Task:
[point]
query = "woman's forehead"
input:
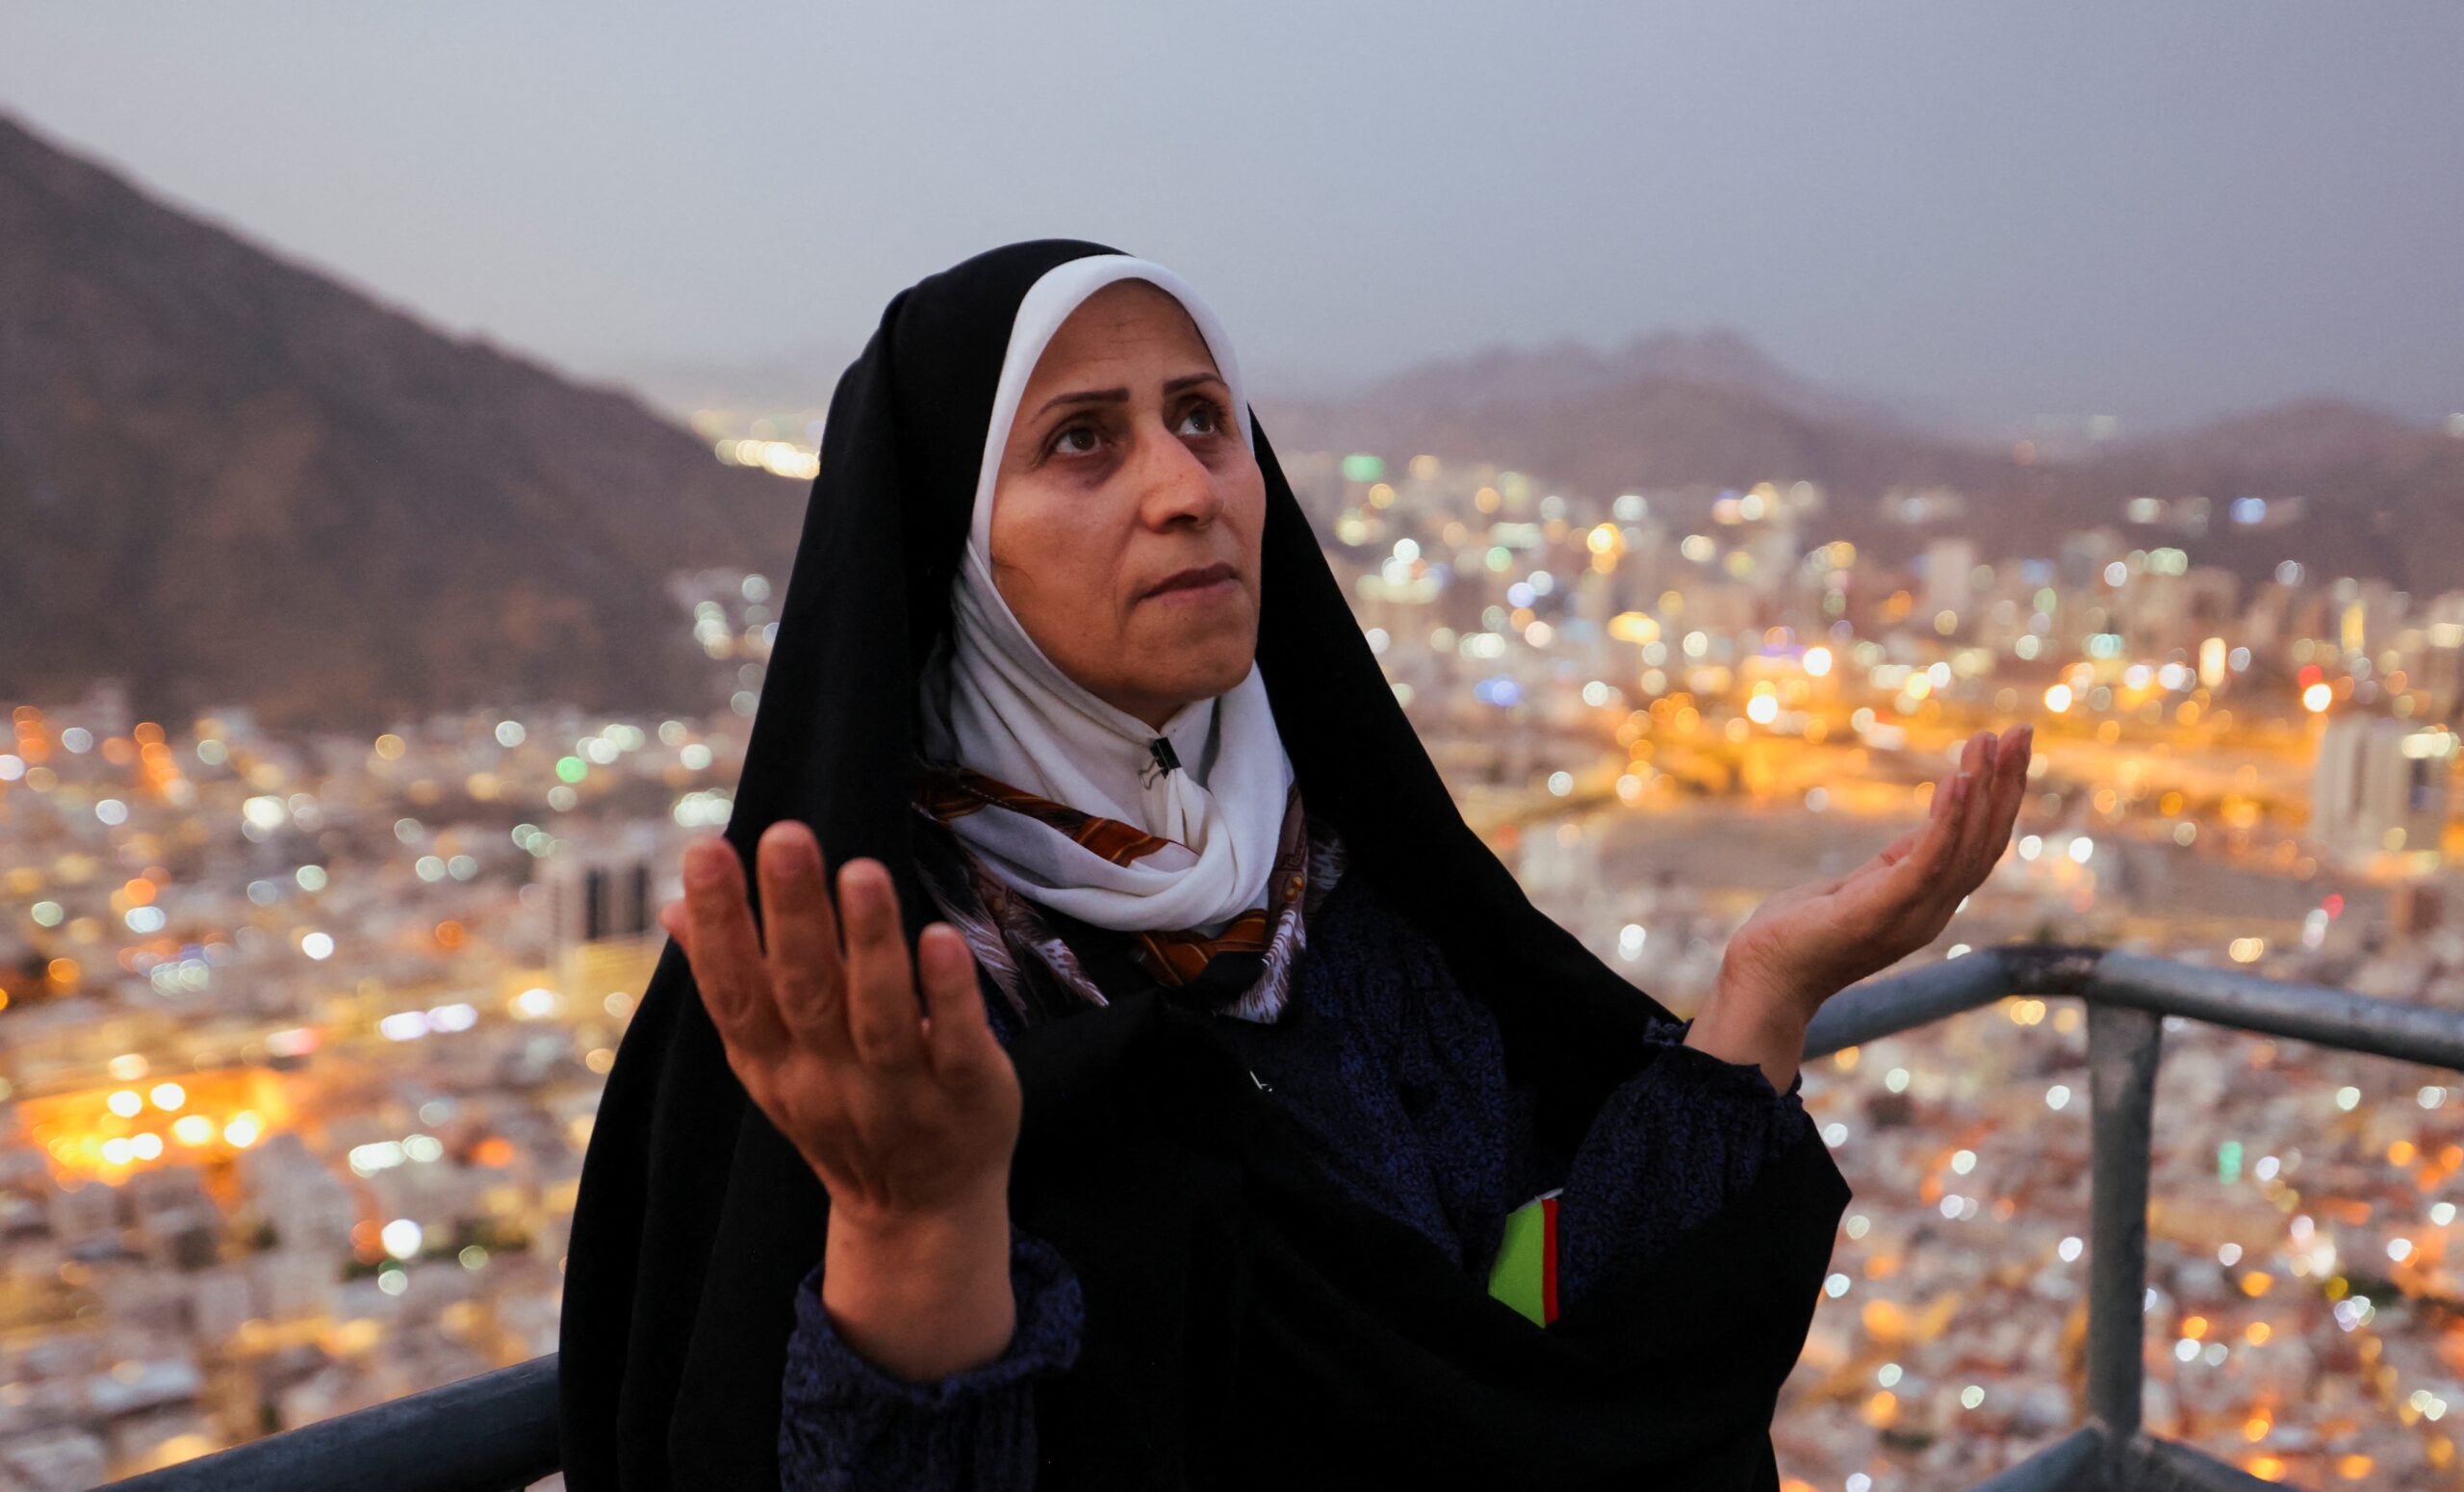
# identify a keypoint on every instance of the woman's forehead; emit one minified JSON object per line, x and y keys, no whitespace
{"x":1124,"y":319}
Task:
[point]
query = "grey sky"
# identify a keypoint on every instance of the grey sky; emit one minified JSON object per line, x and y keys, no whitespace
{"x":2157,"y":210}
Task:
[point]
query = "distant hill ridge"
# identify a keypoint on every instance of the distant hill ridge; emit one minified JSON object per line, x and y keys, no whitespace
{"x":2384,"y":499}
{"x":224,"y":478}
{"x":1715,"y":358}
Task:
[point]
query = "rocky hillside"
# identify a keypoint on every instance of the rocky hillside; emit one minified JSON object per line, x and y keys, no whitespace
{"x":226,"y":478}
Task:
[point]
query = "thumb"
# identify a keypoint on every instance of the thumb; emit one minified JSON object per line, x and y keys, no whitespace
{"x":672,"y":917}
{"x":964,"y":1046}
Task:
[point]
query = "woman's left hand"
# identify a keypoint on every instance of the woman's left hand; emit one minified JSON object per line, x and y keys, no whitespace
{"x":1808,"y":943}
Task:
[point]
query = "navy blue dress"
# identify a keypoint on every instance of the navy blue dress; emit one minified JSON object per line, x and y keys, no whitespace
{"x":1398,"y":1079}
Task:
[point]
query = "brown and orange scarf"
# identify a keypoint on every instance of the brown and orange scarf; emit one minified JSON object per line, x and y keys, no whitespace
{"x":1242,"y":968}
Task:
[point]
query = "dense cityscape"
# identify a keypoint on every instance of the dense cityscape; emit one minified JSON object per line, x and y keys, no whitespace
{"x":302,"y":1036}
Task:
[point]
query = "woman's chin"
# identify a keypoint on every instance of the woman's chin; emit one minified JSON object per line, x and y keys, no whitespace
{"x":1198,"y":667}
{"x":1226,"y":628}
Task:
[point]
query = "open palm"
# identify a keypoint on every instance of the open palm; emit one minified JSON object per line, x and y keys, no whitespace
{"x":904,"y":1107}
{"x":1807,"y":942}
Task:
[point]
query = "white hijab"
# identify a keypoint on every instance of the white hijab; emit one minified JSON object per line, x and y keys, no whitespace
{"x":998,"y":705}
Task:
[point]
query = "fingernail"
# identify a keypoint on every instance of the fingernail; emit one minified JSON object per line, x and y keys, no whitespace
{"x":794,"y":849}
{"x":859,"y":887}
{"x":941,"y":952}
{"x":703,"y":868}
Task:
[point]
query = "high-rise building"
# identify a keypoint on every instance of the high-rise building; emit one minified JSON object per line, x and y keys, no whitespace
{"x":2380,"y":787}
{"x":602,"y":906}
{"x":2164,"y":614}
{"x":2085,"y":554}
{"x":2440,"y":663}
{"x":1949,"y":567}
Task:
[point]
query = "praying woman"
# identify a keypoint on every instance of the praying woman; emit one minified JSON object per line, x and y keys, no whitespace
{"x":1096,"y":1053}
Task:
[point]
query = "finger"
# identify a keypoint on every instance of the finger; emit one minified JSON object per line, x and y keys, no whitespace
{"x":1859,"y":883}
{"x":1997,"y":807}
{"x":882,"y":1016}
{"x":1897,"y":850}
{"x":807,"y":975}
{"x":1973,"y":857}
{"x":1920,"y":873}
{"x":2011,"y":783}
{"x":679,"y":927}
{"x":1972,"y":761}
{"x":960,"y":1035}
{"x":726,"y":953}
{"x":1885,"y":860}
{"x":2007,"y":782}
{"x":1964,"y":762}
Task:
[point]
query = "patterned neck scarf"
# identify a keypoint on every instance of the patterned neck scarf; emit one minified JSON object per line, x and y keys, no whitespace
{"x":1243,"y":971}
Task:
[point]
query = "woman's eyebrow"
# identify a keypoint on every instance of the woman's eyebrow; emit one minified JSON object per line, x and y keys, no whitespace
{"x":1122,"y":396}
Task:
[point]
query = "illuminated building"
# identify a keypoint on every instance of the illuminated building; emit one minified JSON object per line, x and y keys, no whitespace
{"x":2379,"y":786}
{"x":603,"y":915}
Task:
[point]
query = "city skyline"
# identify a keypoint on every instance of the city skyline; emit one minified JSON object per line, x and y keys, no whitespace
{"x":304,"y":1030}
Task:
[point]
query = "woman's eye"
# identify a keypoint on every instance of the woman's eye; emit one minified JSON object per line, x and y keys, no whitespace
{"x":1205,"y":410}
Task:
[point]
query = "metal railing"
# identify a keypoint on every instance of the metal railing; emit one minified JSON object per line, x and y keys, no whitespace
{"x":497,"y":1433}
{"x":2128,"y":996}
{"x":492,"y":1433}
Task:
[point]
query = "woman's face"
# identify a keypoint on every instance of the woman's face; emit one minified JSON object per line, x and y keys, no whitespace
{"x":1127,"y":510}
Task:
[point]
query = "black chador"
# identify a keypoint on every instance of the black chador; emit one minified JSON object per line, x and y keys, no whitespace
{"x":1248,"y":1324}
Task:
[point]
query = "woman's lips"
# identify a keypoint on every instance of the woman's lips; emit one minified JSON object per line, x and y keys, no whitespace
{"x":1195,"y":585}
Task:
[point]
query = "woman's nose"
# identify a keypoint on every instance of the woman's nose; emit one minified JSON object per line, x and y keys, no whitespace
{"x":1177,"y":485}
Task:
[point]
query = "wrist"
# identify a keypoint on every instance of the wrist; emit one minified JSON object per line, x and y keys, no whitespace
{"x":1744,"y":1023}
{"x":927,"y":1233}
{"x":1752,"y":992}
{"x":921,"y":1295}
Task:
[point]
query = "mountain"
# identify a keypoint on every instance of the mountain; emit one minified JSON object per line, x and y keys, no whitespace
{"x":2379,"y":497}
{"x":224,"y":478}
{"x":2296,"y":442}
{"x":1664,"y":412}
{"x":1715,"y":358}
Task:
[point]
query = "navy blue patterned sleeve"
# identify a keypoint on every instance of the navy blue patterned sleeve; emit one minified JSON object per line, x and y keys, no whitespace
{"x":847,"y":1426}
{"x":1683,"y":1138}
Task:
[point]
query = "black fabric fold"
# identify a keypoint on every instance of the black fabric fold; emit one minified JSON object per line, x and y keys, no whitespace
{"x":1246,"y":1322}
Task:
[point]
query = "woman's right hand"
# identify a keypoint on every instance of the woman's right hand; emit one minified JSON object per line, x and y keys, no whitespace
{"x":906,"y":1111}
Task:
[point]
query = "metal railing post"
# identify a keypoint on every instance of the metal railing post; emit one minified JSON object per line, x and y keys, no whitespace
{"x":2166,"y":1466}
{"x":2124,"y":1049}
{"x":2074,"y":1463}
